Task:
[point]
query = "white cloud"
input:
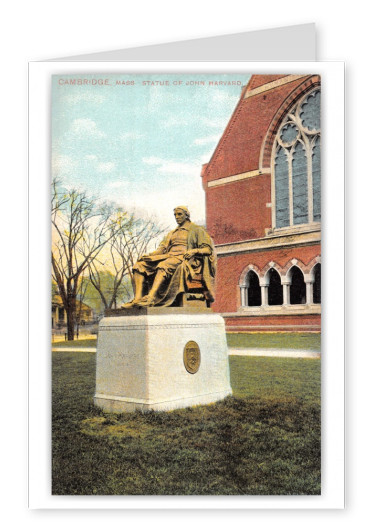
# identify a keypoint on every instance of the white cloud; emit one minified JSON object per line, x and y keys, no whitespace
{"x":179,"y":121}
{"x":131,"y":135}
{"x":173,"y":167}
{"x":206,"y":157}
{"x":105,"y":167}
{"x":213,"y":139}
{"x":90,"y":97}
{"x":222,"y":96}
{"x":62,"y":166}
{"x":115,"y":185}
{"x":98,"y":165}
{"x":85,"y":127}
{"x":218,"y":123}
{"x":152,"y":160}
{"x":157,"y":97}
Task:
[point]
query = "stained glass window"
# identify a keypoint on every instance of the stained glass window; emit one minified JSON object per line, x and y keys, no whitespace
{"x":297,"y":157}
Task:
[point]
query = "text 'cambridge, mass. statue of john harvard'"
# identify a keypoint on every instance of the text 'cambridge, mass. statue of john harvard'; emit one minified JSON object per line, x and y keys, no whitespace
{"x":180,"y":270}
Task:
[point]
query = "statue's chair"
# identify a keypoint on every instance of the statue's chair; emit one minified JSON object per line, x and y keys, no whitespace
{"x":195,"y":293}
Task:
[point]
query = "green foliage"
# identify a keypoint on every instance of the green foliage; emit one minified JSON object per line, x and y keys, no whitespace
{"x":265,"y":439}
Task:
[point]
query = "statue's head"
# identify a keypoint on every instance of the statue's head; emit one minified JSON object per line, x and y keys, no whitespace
{"x":181,"y":214}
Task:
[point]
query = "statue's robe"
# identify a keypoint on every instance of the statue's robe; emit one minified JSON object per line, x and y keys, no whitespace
{"x":180,"y":272}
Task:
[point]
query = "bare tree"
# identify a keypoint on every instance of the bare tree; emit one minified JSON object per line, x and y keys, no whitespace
{"x":83,"y":285}
{"x":117,"y":259}
{"x":81,"y":228}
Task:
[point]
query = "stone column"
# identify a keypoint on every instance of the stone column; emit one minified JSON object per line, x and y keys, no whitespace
{"x":309,"y":280}
{"x":264,"y":294}
{"x":309,"y":292}
{"x":286,"y":293}
{"x":243,"y":295}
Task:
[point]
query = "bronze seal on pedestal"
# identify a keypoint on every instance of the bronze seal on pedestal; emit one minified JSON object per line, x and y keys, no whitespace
{"x":192,"y":357}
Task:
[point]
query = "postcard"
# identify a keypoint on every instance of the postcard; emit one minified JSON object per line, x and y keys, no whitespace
{"x":186,"y":239}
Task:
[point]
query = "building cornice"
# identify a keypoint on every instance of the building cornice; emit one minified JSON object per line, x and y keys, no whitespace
{"x":272,"y":84}
{"x":238,"y":177}
{"x":301,"y":238}
{"x":312,"y":328}
{"x":261,"y":311}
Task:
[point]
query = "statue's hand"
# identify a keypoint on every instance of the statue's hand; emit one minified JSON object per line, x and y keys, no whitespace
{"x":189,"y":254}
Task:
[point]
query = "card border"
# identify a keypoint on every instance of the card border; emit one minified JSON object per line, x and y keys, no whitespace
{"x":333,"y":252}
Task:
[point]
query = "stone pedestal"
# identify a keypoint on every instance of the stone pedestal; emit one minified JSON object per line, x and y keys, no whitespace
{"x":161,"y":359}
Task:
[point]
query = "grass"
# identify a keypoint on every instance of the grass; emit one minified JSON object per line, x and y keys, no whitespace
{"x":78,"y":343}
{"x":300,"y":341}
{"x":275,"y":340}
{"x":265,"y":439}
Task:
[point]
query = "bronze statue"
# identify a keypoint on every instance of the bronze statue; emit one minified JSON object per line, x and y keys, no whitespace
{"x":183,"y":264}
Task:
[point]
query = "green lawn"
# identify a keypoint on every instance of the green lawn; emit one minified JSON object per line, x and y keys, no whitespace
{"x":265,"y":439}
{"x":288,"y":340}
{"x":80,"y":343}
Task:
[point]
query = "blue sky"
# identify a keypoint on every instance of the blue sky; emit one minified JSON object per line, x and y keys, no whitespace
{"x":141,"y":145}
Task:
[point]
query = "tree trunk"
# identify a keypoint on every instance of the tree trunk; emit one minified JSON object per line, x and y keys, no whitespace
{"x":71,"y":318}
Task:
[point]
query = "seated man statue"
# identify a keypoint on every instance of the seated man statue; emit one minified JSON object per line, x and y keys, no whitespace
{"x":184,"y":258}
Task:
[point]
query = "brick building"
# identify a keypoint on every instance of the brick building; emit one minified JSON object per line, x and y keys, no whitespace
{"x":262,"y":189}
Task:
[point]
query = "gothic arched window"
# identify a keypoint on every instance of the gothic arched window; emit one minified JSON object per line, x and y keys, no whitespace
{"x":254,"y":290}
{"x":297,"y":287}
{"x":317,"y":284}
{"x":275,"y":290}
{"x":296,"y":168}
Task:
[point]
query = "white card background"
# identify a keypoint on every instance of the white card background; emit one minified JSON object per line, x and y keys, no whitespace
{"x":277,"y":44}
{"x":40,"y":29}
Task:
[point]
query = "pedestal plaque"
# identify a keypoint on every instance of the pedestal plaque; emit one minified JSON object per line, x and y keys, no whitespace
{"x":161,"y":359}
